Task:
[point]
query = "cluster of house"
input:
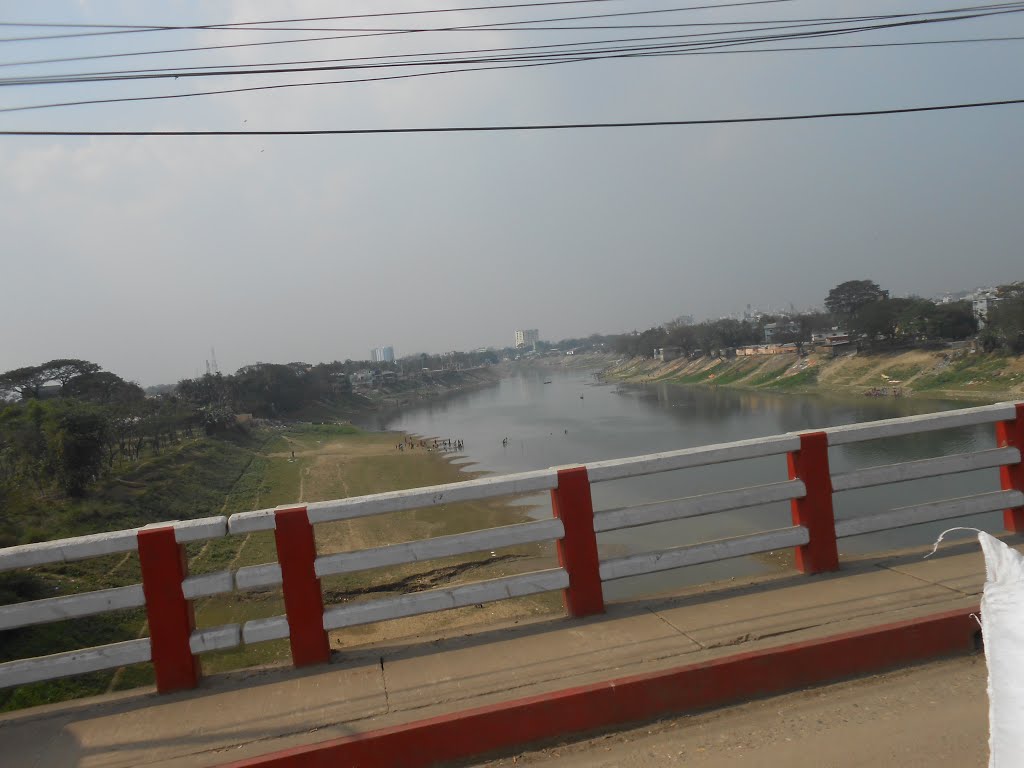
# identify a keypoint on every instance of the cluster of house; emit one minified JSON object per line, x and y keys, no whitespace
{"x":835,"y":341}
{"x":372,"y":378}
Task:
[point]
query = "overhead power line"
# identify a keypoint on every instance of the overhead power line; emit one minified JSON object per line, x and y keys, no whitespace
{"x":701,"y":40}
{"x":539,"y":127}
{"x":192,"y":49}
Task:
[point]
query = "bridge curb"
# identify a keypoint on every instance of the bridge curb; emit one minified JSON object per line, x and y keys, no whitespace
{"x":690,"y":688}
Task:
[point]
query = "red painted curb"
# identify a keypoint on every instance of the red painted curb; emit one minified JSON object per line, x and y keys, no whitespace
{"x":617,"y":702}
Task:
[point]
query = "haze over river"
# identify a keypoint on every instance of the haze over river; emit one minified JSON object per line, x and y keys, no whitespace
{"x":575,"y":419}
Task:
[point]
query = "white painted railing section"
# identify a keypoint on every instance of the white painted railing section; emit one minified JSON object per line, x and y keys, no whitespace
{"x":617,"y":469}
{"x":708,"y":552}
{"x":440,"y":546}
{"x":444,"y":599}
{"x":912,"y":425}
{"x":269,"y":574}
{"x":24,"y":671}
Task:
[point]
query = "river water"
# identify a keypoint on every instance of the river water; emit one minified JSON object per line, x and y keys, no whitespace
{"x":554,"y":418}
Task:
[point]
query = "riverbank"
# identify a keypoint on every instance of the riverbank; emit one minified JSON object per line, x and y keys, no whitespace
{"x":270,"y":467}
{"x":413,"y":390}
{"x":315,"y":464}
{"x":946,"y":374}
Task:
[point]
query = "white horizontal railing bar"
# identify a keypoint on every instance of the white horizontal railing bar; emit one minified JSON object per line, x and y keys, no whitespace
{"x":444,"y":599}
{"x":70,"y":606}
{"x":909,"y":425}
{"x":432,"y":496}
{"x":695,"y":506}
{"x":24,"y":671}
{"x":396,"y":501}
{"x":926,"y":513}
{"x":66,"y":550}
{"x":440,"y":546}
{"x":261,"y":630}
{"x":208,"y":584}
{"x":917,"y":470}
{"x":711,"y":551}
{"x":258,"y":576}
{"x":252,"y":521}
{"x":202,"y":529}
{"x":110,"y":543}
{"x":615,"y":469}
{"x":215,"y":638}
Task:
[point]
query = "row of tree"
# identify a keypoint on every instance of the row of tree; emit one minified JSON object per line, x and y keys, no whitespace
{"x":860,"y":308}
{"x":1004,"y":326}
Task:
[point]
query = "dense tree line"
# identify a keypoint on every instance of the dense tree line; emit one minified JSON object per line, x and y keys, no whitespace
{"x":67,"y":422}
{"x":860,"y":308}
{"x":1004,"y":328}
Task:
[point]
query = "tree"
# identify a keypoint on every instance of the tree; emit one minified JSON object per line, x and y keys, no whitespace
{"x":1006,"y":321}
{"x":63,"y":370}
{"x":846,"y":299}
{"x":24,"y":382}
{"x":102,"y":387}
{"x":77,"y":441}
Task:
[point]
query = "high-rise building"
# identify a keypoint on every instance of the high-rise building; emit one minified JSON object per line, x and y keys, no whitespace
{"x":527,"y":338}
{"x":382,"y":354}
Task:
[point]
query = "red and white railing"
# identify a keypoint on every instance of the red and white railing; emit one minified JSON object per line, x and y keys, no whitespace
{"x":167,"y":591}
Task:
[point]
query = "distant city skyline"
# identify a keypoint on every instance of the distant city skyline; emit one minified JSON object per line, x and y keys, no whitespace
{"x":382,"y":355}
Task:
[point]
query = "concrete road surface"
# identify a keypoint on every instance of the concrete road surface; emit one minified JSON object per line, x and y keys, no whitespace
{"x":928,"y":716}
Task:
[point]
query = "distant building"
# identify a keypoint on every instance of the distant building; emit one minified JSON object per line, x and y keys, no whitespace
{"x":771,"y":330}
{"x":667,"y":354}
{"x":382,"y":354}
{"x":527,"y":338}
{"x":982,"y":303}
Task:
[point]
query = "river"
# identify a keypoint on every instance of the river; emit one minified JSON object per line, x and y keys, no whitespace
{"x":554,"y":418}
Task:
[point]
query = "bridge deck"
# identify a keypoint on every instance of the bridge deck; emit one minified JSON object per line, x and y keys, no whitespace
{"x":233,"y":717}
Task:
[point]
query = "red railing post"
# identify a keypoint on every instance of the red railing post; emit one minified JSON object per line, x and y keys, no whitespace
{"x":171,"y":617}
{"x":303,"y":601}
{"x":1010,"y":434}
{"x":577,"y":551}
{"x":814,"y":511}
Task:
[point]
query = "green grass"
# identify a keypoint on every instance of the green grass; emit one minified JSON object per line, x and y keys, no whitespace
{"x":699,"y":376}
{"x":191,"y":479}
{"x":767,"y":377}
{"x":971,"y":368}
{"x":805,"y":378}
{"x":739,"y":370}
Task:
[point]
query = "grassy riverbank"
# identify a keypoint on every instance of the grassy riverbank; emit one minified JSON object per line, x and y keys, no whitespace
{"x":211,"y":476}
{"x":955,"y":375}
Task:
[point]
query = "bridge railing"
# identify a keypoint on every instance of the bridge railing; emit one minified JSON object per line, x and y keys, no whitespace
{"x":167,"y":590}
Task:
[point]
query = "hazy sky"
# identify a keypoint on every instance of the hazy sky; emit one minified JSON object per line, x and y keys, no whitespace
{"x":142,"y":253}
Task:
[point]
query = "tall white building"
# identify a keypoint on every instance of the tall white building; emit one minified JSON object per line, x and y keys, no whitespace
{"x":527,"y":338}
{"x":382,"y":354}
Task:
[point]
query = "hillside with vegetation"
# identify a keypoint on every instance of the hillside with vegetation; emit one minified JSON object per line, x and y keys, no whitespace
{"x":865,"y":343}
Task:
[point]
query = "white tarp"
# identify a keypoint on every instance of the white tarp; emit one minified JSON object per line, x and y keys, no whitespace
{"x":1002,"y":626}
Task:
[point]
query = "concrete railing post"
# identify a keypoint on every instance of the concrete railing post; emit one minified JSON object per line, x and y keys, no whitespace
{"x":171,"y":617}
{"x":1010,"y":434}
{"x":303,"y":600}
{"x":577,"y":551}
{"x":814,"y":511}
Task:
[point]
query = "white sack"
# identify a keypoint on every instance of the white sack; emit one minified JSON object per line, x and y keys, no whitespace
{"x":1002,"y":626}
